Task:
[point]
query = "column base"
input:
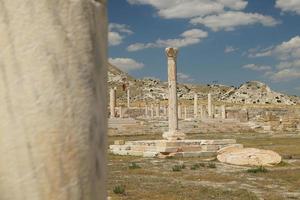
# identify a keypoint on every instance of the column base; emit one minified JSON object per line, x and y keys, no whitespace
{"x":173,"y":135}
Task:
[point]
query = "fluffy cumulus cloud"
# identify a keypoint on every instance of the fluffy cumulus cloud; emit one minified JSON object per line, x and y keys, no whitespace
{"x":289,"y":6}
{"x":171,"y":9}
{"x":289,"y":50}
{"x":126,"y":64}
{"x":230,"y":49}
{"x":256,"y":67}
{"x":215,"y":14}
{"x":117,"y":32}
{"x":187,"y":38}
{"x":231,"y":19}
{"x":285,"y":75}
{"x":288,"y":56}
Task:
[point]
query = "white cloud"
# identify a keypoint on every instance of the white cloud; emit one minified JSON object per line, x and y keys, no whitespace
{"x":170,"y":9}
{"x":230,"y":20}
{"x":182,"y":77}
{"x":288,"y":5}
{"x":126,"y":64}
{"x":288,"y":55}
{"x":123,"y":28}
{"x":289,"y":64}
{"x":114,"y":38}
{"x":256,"y":67}
{"x":234,"y":4}
{"x":230,"y":49}
{"x":117,"y":32}
{"x":187,"y":38}
{"x":288,"y":50}
{"x":215,"y":14}
{"x":258,"y":52}
{"x":285,"y":75}
{"x":140,"y":46}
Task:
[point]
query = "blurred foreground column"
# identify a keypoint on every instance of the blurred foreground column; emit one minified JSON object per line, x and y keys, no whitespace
{"x":53,"y":107}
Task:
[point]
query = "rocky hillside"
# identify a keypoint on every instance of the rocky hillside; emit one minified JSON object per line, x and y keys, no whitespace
{"x":149,"y":89}
{"x":255,"y":92}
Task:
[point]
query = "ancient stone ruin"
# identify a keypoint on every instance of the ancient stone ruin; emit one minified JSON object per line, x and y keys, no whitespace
{"x":174,"y":142}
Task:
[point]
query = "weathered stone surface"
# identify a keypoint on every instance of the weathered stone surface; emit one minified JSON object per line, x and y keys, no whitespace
{"x":119,"y":142}
{"x":112,"y":102}
{"x":181,"y":148}
{"x":173,"y":133}
{"x":53,"y":107}
{"x":230,"y":148}
{"x":249,"y":157}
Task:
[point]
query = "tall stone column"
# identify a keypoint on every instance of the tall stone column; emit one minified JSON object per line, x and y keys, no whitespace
{"x":121,"y":112}
{"x":53,"y":105}
{"x":203,"y":111}
{"x":146,"y":111}
{"x":128,"y":98}
{"x":179,"y":112}
{"x":195,"y":106}
{"x":152,"y":111}
{"x":157,"y":110}
{"x":185,"y":113}
{"x":165,"y":111}
{"x":173,"y":133}
{"x":209,"y":106}
{"x":112,"y":103}
{"x":223,"y":112}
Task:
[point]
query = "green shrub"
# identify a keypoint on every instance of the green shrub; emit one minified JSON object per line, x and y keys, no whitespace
{"x":134,"y":166}
{"x":119,"y":189}
{"x":211,"y":165}
{"x":178,"y":168}
{"x":195,"y":166}
{"x":202,"y":165}
{"x":259,"y":169}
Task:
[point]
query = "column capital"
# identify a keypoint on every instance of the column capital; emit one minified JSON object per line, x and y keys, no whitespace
{"x":171,"y":52}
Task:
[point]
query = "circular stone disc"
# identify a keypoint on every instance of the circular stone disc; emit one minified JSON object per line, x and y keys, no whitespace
{"x":250,"y":156}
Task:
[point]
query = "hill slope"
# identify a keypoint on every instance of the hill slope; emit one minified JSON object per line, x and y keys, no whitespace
{"x":149,"y":89}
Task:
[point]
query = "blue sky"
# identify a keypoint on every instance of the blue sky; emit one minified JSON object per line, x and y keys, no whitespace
{"x":228,"y":41}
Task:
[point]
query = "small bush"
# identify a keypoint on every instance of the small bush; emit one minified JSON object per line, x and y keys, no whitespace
{"x":195,"y":166}
{"x":201,"y":165}
{"x":178,"y":168}
{"x":134,"y":166}
{"x":211,"y":165}
{"x":259,"y":169}
{"x":119,"y":189}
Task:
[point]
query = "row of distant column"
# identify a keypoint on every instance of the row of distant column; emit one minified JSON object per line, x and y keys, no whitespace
{"x":155,"y":111}
{"x":184,"y":112}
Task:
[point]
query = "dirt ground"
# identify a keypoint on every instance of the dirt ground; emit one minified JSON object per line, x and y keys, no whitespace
{"x":206,"y":178}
